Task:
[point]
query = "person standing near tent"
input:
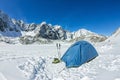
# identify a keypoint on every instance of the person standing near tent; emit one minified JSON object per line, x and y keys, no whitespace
{"x":58,"y":45}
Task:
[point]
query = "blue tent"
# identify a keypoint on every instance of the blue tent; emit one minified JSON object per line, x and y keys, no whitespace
{"x":79,"y":53}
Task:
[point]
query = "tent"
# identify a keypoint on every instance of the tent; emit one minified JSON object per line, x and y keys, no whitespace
{"x":79,"y":53}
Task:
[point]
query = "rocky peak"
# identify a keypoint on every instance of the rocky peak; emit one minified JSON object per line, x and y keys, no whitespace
{"x":7,"y":27}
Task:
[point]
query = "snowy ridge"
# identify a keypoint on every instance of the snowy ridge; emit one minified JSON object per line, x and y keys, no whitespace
{"x":115,"y":37}
{"x":117,"y":32}
{"x":83,"y":34}
{"x":18,"y":28}
{"x":7,"y":27}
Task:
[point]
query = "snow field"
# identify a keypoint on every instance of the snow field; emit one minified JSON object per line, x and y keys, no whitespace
{"x":34,"y":62}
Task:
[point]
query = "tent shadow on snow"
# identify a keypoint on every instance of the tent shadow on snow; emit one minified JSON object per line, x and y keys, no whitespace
{"x":78,"y":54}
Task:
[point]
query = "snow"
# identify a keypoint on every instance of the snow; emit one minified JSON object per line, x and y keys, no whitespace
{"x":56,"y":27}
{"x":34,"y":62}
{"x":117,"y":79}
{"x":2,"y":77}
{"x":30,"y":33}
{"x":43,"y":23}
{"x":85,"y":78}
{"x":82,"y":32}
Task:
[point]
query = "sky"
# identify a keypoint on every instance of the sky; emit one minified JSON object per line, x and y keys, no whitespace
{"x":100,"y":16}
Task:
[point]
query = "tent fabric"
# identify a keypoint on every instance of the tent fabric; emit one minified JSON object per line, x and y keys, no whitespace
{"x":79,"y":53}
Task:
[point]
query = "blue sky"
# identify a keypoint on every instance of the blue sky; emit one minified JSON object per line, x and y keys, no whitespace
{"x":100,"y":16}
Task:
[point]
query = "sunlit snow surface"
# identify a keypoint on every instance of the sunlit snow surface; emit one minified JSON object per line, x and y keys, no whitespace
{"x":34,"y":62}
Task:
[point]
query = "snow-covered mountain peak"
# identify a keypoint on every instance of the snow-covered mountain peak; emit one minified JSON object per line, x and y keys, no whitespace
{"x":43,"y":23}
{"x":83,"y":34}
{"x":116,"y":33}
{"x":83,"y":31}
{"x":115,"y":37}
{"x":7,"y":27}
{"x":4,"y":17}
{"x":57,"y":27}
{"x":2,"y":13}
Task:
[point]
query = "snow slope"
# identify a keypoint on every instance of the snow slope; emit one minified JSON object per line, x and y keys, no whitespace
{"x":115,"y":37}
{"x":34,"y":62}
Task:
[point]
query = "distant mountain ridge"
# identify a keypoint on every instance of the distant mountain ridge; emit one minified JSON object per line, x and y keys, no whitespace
{"x":30,"y":33}
{"x":83,"y":34}
{"x":115,"y":37}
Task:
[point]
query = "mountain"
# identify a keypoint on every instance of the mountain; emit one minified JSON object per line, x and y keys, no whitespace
{"x":115,"y":37}
{"x":43,"y":32}
{"x":7,"y":27}
{"x":83,"y":34}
